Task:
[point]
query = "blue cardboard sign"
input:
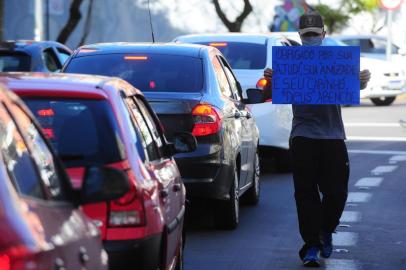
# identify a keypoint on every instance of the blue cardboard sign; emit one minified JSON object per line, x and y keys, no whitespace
{"x":316,"y":75}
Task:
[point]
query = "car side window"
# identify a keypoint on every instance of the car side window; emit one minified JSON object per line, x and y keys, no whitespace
{"x":17,"y":159}
{"x":51,"y":60}
{"x":231,"y":79}
{"x":135,"y":133}
{"x":150,"y":122}
{"x":63,"y":55}
{"x":222,"y":78}
{"x":43,"y":157}
{"x":146,"y":136}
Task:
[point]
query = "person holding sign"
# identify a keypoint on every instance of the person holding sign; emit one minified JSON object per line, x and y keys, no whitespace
{"x":319,"y":160}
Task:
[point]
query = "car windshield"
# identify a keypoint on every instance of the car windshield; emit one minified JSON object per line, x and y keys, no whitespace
{"x":242,"y":55}
{"x":147,"y":72}
{"x":14,"y":62}
{"x":83,"y":132}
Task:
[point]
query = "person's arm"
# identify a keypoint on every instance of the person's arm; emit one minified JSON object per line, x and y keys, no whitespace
{"x":364,"y":77}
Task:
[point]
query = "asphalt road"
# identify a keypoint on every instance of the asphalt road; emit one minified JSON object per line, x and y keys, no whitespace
{"x":372,"y":234}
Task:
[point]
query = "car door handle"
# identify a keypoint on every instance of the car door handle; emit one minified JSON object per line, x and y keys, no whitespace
{"x":164,"y":193}
{"x":177,"y":187}
{"x":83,"y":256}
{"x":59,"y":264}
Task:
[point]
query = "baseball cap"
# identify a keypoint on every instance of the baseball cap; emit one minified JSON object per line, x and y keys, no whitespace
{"x":311,"y":22}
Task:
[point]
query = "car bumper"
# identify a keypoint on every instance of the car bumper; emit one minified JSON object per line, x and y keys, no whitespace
{"x":140,"y":253}
{"x":206,"y":176}
{"x":389,"y":88}
{"x":274,"y":122}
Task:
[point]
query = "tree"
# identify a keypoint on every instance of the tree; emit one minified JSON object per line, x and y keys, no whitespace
{"x":336,"y":19}
{"x":236,"y":25}
{"x":74,"y":18}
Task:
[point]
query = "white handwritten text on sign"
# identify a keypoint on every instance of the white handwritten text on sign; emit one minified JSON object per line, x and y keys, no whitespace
{"x":316,"y":75}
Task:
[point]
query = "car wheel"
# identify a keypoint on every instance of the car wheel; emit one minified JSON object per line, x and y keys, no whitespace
{"x":227,"y":213}
{"x":251,"y":197}
{"x":179,"y":262}
{"x":283,"y":161}
{"x":383,"y":101}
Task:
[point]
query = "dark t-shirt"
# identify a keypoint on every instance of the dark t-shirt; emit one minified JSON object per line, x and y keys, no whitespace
{"x":317,"y":122}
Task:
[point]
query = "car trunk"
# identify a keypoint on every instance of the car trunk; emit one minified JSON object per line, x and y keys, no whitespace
{"x":174,"y":110}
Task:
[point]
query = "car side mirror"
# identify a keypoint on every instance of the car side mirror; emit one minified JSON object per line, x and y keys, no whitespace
{"x":255,"y":96}
{"x":183,"y":142}
{"x":103,"y":184}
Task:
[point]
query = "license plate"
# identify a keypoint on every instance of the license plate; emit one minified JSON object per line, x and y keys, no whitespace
{"x":395,"y":84}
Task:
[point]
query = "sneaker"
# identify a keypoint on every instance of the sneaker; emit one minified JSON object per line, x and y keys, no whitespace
{"x":326,"y":239}
{"x":311,"y":259}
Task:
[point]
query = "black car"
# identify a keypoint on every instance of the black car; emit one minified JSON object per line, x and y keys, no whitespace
{"x":191,"y":88}
{"x":40,"y":56}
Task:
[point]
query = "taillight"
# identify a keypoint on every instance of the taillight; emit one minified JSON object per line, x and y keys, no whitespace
{"x":17,"y":258}
{"x":128,"y":210}
{"x":46,"y":112}
{"x":207,"y":120}
{"x":49,"y":133}
{"x":4,"y":262}
{"x":262,"y":83}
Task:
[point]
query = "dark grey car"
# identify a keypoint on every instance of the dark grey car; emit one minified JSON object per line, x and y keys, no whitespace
{"x":191,"y":88}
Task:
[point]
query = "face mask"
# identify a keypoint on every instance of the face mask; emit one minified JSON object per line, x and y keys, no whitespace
{"x":311,"y":41}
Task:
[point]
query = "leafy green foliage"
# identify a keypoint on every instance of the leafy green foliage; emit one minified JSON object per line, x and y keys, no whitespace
{"x":337,"y":19}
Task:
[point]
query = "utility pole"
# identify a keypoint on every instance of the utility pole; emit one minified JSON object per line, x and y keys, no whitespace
{"x":38,"y":20}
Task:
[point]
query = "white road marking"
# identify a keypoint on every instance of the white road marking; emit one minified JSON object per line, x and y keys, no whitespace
{"x":397,"y":158}
{"x":345,"y":239}
{"x":342,"y":264}
{"x":350,"y":216}
{"x":384,"y":169}
{"x":358,"y":197}
{"x":354,"y":124}
{"x":374,"y":139}
{"x":376,"y":152}
{"x":369,"y":182}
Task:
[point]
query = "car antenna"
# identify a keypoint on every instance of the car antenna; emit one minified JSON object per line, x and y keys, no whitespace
{"x":150,"y":22}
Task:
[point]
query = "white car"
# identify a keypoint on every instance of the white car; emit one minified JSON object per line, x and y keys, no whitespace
{"x":249,"y":55}
{"x":388,"y":79}
{"x":373,"y":46}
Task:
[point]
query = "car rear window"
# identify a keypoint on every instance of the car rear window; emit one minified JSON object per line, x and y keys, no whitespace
{"x":14,"y":62}
{"x":147,"y":72}
{"x":83,"y":132}
{"x":242,"y":55}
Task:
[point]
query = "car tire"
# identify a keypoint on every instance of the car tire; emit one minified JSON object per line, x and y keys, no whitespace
{"x":227,"y":212}
{"x":383,"y":101}
{"x":283,"y":162}
{"x":179,"y":262}
{"x":251,"y":197}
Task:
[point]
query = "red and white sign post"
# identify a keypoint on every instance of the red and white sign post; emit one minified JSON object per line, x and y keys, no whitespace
{"x":390,"y":6}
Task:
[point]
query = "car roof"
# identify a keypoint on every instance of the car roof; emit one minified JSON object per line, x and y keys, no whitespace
{"x":58,"y":84}
{"x":28,"y":45}
{"x":170,"y":48}
{"x":236,"y":37}
{"x":358,"y":37}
